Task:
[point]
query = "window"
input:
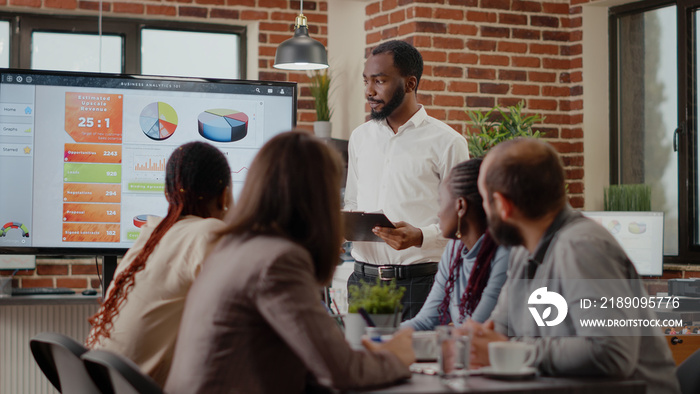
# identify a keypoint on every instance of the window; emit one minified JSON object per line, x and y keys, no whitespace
{"x":653,"y":123}
{"x":124,"y":46}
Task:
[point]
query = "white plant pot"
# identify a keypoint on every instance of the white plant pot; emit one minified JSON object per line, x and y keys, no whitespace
{"x":355,"y":326}
{"x":322,"y":128}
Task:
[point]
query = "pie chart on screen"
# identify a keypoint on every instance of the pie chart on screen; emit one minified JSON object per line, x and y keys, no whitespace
{"x":158,"y":121}
{"x":223,"y":125}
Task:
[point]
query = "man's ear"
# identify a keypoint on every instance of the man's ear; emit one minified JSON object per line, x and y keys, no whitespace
{"x":411,"y":84}
{"x":504,"y":207}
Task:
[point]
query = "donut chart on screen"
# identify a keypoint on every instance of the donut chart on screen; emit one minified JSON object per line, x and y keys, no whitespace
{"x":222,"y":125}
{"x":158,"y":121}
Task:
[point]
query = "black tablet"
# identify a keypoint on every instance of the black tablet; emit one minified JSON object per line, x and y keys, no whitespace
{"x":359,"y":225}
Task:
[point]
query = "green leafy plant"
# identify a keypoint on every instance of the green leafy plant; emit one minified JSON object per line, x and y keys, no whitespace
{"x":487,"y":132}
{"x":320,"y":87}
{"x":627,"y":198}
{"x":380,"y":298}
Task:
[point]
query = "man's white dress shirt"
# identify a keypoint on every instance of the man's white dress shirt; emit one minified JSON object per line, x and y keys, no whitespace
{"x":399,"y":174}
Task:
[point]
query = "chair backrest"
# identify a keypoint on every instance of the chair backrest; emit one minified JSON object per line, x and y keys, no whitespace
{"x":58,"y":356}
{"x":688,"y":373}
{"x":124,"y":375}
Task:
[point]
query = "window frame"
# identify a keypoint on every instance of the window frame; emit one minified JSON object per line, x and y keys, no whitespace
{"x":24,"y":24}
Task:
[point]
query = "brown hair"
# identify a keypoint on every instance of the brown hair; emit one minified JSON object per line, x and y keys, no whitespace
{"x":529,"y":173}
{"x":292,"y":190}
{"x":195,"y":174}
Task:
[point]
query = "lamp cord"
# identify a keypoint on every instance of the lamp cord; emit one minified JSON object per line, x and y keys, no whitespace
{"x":99,"y":34}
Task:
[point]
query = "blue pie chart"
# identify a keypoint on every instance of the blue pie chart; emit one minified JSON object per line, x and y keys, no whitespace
{"x":222,"y":125}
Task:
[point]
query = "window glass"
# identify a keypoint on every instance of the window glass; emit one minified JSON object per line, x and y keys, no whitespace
{"x":648,"y":110}
{"x":187,"y":53}
{"x":76,"y":52}
{"x":4,"y":44}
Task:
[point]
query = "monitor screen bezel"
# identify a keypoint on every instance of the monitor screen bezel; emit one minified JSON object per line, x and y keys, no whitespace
{"x":86,"y":251}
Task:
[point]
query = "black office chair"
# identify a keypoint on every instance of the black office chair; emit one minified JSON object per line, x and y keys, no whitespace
{"x":688,"y":373}
{"x":124,"y":376}
{"x":58,"y":356}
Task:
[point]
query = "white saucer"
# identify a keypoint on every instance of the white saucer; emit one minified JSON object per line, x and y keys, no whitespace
{"x":524,"y":373}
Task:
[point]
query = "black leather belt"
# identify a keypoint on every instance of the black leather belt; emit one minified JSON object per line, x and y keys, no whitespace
{"x":389,"y":272}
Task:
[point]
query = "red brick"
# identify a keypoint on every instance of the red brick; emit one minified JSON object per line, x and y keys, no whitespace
{"x":464,"y":3}
{"x":373,"y":38}
{"x":448,"y":71}
{"x":571,"y":133}
{"x":512,"y":19}
{"x":481,"y":16}
{"x":379,"y":21}
{"x":288,"y":17}
{"x":31,"y":282}
{"x":480,"y":102}
{"x":448,"y":43}
{"x":527,"y":6}
{"x":508,"y":101}
{"x":526,"y":90}
{"x":494,"y":88}
{"x":463,"y":58}
{"x":526,"y":34}
{"x":397,"y":17}
{"x":548,"y":132}
{"x":458,"y":127}
{"x":390,"y":33}
{"x":570,"y":147}
{"x":434,"y":56}
{"x":556,"y":64}
{"x":271,"y":4}
{"x":272,"y":76}
{"x":576,"y":62}
{"x":512,"y":75}
{"x":323,"y":6}
{"x":51,"y":269}
{"x":420,"y":12}
{"x":514,"y":47}
{"x":544,"y":49}
{"x":495,"y":32}
{"x":550,"y":105}
{"x":536,"y":76}
{"x":372,"y":9}
{"x":388,"y":5}
{"x":463,"y":87}
{"x":436,"y":113}
{"x":481,"y":73}
{"x":555,"y":8}
{"x":525,"y":61}
{"x":406,"y":29}
{"x":448,"y":101}
{"x":254,"y":15}
{"x":198,"y":12}
{"x":307,"y":117}
{"x":561,"y":36}
{"x":576,"y":202}
{"x":481,"y":45}
{"x":572,"y":161}
{"x":425,"y":99}
{"x":435,"y":85}
{"x":243,"y":3}
{"x":308,"y":5}
{"x":544,"y":21}
{"x":498,"y":4}
{"x":73,"y":283}
{"x":305,"y":104}
{"x":94,"y":6}
{"x":494,"y":60}
{"x":18,"y":273}
{"x":555,"y":91}
{"x":267,"y":51}
{"x":128,"y":8}
{"x":571,"y":50}
{"x":458,"y":115}
{"x":572,"y":23}
{"x":574,"y":173}
{"x":427,"y":70}
{"x":161,"y":10}
{"x":431,"y":27}
{"x":576,"y":76}
{"x":672,"y":274}
{"x":26,"y":3}
{"x":275,"y":26}
{"x":462,"y":30}
{"x":449,"y":13}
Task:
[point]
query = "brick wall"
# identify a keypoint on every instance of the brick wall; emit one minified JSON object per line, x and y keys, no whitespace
{"x":481,"y":53}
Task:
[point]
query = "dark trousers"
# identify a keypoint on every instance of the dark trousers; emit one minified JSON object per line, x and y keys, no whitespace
{"x":417,"y":290}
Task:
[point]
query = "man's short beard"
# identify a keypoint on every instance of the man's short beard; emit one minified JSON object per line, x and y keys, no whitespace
{"x":504,"y":233}
{"x":391,"y":106}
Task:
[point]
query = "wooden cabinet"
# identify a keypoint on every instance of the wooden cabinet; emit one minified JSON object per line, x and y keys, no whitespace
{"x":682,"y":346}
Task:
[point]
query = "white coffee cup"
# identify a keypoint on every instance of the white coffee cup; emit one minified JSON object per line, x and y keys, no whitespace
{"x":510,"y":357}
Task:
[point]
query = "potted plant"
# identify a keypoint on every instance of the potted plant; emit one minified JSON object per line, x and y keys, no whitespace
{"x":381,"y":300}
{"x":320,"y":87}
{"x":627,"y":198}
{"x":487,"y":132}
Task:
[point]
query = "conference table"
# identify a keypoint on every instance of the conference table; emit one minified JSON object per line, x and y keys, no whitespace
{"x":433,"y":384}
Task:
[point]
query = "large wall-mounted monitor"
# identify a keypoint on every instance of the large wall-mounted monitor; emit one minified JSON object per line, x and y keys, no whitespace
{"x":82,"y":156}
{"x":641,"y":235}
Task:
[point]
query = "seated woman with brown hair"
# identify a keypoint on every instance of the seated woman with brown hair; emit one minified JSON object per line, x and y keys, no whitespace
{"x":141,"y":313}
{"x":254,"y":321}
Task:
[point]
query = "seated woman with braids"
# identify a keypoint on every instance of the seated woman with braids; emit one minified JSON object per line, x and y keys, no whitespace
{"x":473,"y":267}
{"x":141,"y":313}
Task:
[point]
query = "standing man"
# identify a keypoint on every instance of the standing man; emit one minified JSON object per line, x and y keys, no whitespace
{"x":396,"y":162}
{"x":570,"y":264}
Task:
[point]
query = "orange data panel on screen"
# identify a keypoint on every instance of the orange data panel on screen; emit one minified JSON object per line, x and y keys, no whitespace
{"x":94,"y":117}
{"x":90,"y":232}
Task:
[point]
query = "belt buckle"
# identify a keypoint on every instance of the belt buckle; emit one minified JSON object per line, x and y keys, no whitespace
{"x":379,"y":272}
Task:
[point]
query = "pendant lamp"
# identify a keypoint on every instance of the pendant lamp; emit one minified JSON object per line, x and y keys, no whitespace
{"x":301,"y":52}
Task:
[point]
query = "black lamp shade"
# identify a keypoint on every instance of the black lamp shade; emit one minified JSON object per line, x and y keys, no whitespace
{"x":301,"y":52}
